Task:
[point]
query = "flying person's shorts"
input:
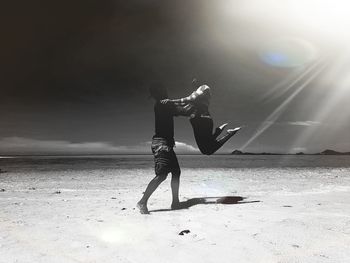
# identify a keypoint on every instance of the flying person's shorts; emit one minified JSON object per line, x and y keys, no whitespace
{"x":165,"y":160}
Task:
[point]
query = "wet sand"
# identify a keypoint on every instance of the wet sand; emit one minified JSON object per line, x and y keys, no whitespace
{"x":233,"y":215}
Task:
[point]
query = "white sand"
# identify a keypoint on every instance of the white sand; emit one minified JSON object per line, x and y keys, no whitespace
{"x":303,"y":216}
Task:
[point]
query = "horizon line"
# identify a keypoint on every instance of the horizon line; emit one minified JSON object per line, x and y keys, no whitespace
{"x":181,"y":153}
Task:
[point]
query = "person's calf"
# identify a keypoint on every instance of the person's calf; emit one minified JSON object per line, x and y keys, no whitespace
{"x":152,"y":186}
{"x":175,"y":185}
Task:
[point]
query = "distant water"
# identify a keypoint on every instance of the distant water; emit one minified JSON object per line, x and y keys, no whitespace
{"x":69,"y":163}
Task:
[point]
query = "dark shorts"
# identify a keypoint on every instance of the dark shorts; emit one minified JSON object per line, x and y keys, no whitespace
{"x":165,"y":160}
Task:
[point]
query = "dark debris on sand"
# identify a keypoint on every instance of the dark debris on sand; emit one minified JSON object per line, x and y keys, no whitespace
{"x":184,"y":232}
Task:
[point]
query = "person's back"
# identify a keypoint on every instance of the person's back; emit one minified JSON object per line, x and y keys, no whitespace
{"x":164,"y":121}
{"x":201,"y":96}
{"x":200,"y":99}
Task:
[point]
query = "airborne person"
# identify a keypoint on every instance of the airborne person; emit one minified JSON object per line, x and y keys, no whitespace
{"x":201,"y":120}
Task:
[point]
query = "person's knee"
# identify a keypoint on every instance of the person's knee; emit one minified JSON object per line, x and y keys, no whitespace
{"x":176,"y":173}
{"x":161,"y":176}
{"x":207,"y":151}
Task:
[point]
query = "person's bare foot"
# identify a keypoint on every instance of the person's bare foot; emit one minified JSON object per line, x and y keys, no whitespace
{"x":143,"y":208}
{"x":233,"y":131}
{"x":223,"y":126}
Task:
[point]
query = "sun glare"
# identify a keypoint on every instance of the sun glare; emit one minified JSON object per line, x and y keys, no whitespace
{"x":327,"y":17}
{"x":311,"y":37}
{"x":325,"y":20}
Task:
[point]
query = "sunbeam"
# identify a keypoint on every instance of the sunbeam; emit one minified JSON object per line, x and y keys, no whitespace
{"x":331,"y":109}
{"x":269,"y":121}
{"x":285,"y":85}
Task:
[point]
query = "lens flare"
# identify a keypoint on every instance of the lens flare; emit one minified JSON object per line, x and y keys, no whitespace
{"x":288,"y":52}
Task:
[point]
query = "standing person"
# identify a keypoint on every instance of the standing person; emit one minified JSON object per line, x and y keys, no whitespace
{"x":201,"y":120}
{"x":165,"y":159}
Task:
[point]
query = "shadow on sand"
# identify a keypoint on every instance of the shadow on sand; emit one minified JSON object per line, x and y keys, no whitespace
{"x":227,"y":200}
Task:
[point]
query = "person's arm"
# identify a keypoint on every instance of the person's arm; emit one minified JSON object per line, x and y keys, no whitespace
{"x":182,"y":101}
{"x":178,"y":110}
{"x":173,"y":102}
{"x":187,"y":99}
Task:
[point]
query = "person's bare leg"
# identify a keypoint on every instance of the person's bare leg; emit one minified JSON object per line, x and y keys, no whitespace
{"x":226,"y":137}
{"x":175,"y":184}
{"x":217,"y":144}
{"x":152,"y":186}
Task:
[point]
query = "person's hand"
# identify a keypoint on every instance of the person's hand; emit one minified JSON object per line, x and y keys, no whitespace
{"x":166,"y":101}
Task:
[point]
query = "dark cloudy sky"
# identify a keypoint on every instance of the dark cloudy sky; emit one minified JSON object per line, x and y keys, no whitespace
{"x":75,"y":74}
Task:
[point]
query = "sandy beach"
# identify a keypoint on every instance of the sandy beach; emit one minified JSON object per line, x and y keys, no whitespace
{"x":233,"y":215}
{"x":253,"y":97}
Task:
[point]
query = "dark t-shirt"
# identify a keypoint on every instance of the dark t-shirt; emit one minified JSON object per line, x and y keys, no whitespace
{"x":164,"y":120}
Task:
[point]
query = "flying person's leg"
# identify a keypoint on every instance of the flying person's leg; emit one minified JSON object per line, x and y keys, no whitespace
{"x":219,"y":130}
{"x":221,"y":141}
{"x":207,"y":143}
{"x":203,"y":133}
